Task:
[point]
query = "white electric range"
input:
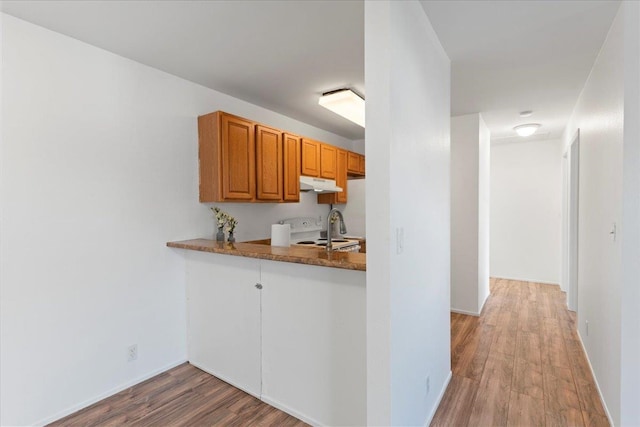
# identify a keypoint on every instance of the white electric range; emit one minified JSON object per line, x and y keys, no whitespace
{"x":305,"y":232}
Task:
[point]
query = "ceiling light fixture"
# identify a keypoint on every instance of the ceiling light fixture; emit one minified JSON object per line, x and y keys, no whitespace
{"x":527,"y":130}
{"x":346,"y":103}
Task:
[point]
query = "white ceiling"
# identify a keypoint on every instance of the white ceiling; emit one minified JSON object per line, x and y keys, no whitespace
{"x":281,"y":55}
{"x":507,"y":56}
{"x":511,"y":56}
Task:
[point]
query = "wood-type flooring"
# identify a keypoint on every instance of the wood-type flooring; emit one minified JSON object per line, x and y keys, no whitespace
{"x":519,"y":364}
{"x":182,"y":396}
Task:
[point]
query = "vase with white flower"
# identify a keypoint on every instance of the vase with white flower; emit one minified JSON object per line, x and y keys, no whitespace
{"x":221,"y":220}
{"x":231,"y":226}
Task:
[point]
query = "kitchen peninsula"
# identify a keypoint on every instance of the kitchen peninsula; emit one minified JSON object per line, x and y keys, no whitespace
{"x":285,"y":324}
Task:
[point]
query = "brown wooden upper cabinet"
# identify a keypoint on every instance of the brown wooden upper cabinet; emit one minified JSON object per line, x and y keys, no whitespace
{"x":244,"y":161}
{"x":227,"y":158}
{"x":291,"y":168}
{"x":310,"y":157}
{"x":341,"y":177}
{"x":328,"y":160}
{"x":355,"y":164}
{"x":341,"y":180}
{"x":269,"y":164}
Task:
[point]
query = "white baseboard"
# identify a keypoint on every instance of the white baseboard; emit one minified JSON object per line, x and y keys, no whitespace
{"x":544,"y":282}
{"x":593,"y":374}
{"x":468,"y":313}
{"x":293,"y":413}
{"x":115,"y":390}
{"x":225,"y":379}
{"x":438,"y":400}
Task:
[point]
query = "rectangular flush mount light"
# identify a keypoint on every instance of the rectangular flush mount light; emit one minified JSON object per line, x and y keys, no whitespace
{"x":346,"y":103}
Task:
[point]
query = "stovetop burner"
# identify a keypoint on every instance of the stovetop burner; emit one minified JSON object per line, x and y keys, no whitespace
{"x":306,"y":242}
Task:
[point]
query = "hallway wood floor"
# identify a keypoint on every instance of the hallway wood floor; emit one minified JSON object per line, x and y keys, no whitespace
{"x":519,"y":364}
{"x":182,"y":396}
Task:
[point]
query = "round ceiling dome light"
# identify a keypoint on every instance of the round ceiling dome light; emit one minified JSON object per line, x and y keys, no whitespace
{"x":526,"y":113}
{"x":527,"y":130}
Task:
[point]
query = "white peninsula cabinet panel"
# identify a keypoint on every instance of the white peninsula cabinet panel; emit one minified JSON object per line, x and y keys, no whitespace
{"x":314,"y":342}
{"x":298,"y":344}
{"x":224,"y":318}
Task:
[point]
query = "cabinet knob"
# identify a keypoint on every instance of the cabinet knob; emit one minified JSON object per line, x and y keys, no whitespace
{"x":258,"y":286}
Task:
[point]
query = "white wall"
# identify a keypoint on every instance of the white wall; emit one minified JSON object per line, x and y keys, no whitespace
{"x":470,"y":163}
{"x":484,"y":212}
{"x":464,"y":213}
{"x":99,"y":159}
{"x":407,"y":76}
{"x":254,"y":220}
{"x":607,"y":116}
{"x":526,"y":210}
{"x":377,"y":60}
{"x":358,"y":146}
{"x":630,"y":230}
{"x":564,"y":223}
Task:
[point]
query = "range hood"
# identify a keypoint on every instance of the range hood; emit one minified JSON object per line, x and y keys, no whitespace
{"x":319,"y":185}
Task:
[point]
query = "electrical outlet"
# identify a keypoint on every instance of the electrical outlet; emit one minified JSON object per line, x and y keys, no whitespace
{"x":428,"y":384}
{"x":586,"y":322}
{"x":132,"y":353}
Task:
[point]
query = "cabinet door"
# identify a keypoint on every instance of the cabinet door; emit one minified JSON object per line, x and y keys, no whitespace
{"x":223,"y":311}
{"x":314,"y":341}
{"x":238,"y":158}
{"x":341,"y":176}
{"x":310,"y":157}
{"x":328,"y":155}
{"x":341,"y":181}
{"x":353,"y":162}
{"x":291,"y":168}
{"x":269,"y":164}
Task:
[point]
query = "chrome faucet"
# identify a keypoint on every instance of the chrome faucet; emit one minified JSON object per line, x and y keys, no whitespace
{"x":343,"y":228}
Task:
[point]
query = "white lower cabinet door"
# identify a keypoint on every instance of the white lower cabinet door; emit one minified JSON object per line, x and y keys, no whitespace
{"x":314,"y":342}
{"x":224,"y":318}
